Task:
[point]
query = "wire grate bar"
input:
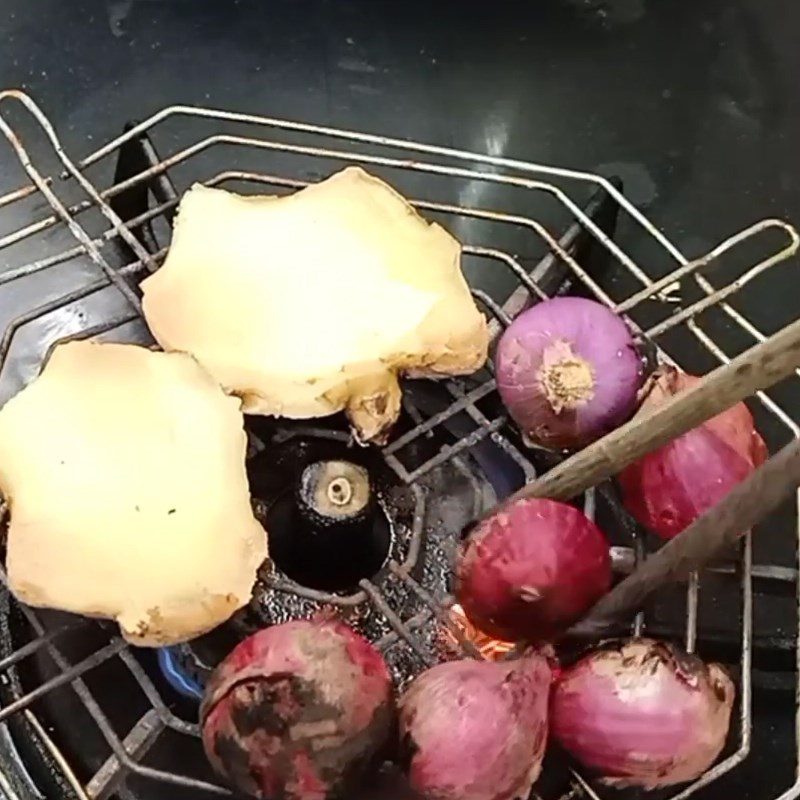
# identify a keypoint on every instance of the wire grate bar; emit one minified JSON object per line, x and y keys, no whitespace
{"x":34,"y":645}
{"x":67,"y":676}
{"x":439,"y":610}
{"x":394,"y":620}
{"x":412,"y":623}
{"x":100,"y":718}
{"x":461,"y":404}
{"x":111,"y":776}
{"x":448,"y":452}
{"x":166,"y":717}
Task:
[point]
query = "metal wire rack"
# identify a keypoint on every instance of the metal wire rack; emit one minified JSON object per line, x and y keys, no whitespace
{"x":72,"y":221}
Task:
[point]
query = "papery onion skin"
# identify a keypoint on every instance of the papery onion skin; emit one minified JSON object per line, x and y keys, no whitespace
{"x":642,"y":713}
{"x":476,"y":730}
{"x":568,"y":371}
{"x":298,"y":711}
{"x":531,"y":569}
{"x":671,"y":487}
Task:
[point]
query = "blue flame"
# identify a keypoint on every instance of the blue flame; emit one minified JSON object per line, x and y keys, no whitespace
{"x":171,"y":667}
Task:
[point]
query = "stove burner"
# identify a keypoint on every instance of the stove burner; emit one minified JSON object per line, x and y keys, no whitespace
{"x":331,"y":531}
{"x":334,"y":515}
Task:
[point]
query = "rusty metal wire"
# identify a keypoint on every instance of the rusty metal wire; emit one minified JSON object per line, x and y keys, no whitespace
{"x":292,"y":139}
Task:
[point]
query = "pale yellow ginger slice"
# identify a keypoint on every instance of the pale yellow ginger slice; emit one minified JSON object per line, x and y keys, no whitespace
{"x":124,"y":472}
{"x":312,"y":303}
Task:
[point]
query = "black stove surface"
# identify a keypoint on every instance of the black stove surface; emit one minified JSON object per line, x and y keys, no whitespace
{"x":695,"y":105}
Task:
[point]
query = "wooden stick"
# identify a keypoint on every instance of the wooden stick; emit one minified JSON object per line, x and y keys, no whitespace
{"x":691,"y":550}
{"x":758,"y":368}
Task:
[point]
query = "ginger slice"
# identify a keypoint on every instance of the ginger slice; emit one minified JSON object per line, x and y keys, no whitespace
{"x":315,"y":302}
{"x":124,"y":472}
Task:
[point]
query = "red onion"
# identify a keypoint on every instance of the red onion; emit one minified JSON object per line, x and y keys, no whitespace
{"x":672,"y":486}
{"x":568,"y":372}
{"x":531,"y":570}
{"x":297,"y":711}
{"x":642,"y":713}
{"x":476,"y":730}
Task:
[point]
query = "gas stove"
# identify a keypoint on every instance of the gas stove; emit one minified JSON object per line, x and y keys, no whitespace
{"x":86,"y":716}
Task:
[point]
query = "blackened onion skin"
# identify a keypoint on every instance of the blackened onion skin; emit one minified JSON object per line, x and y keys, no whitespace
{"x":298,"y":711}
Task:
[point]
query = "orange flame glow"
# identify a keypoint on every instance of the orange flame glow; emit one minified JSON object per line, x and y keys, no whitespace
{"x":490,"y":649}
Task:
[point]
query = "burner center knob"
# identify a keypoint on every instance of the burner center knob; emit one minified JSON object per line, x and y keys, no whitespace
{"x":335,"y":490}
{"x":328,"y":529}
{"x":340,"y":491}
